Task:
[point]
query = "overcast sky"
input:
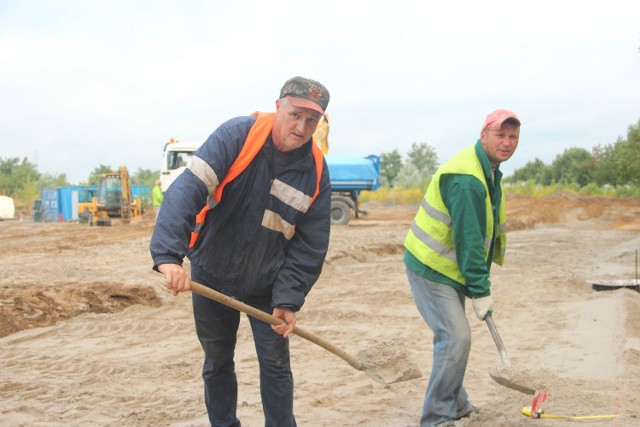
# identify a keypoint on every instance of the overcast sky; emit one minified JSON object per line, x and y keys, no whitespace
{"x":85,"y":83}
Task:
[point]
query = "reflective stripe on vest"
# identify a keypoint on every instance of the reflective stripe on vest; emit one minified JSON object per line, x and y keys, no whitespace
{"x":256,"y":138}
{"x":430,"y":238}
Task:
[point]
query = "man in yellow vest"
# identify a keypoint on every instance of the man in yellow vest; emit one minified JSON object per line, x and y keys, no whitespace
{"x":252,"y":212}
{"x":156,"y":196}
{"x":458,"y":231}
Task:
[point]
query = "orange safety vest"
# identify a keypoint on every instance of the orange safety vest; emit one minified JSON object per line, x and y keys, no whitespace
{"x":256,"y":138}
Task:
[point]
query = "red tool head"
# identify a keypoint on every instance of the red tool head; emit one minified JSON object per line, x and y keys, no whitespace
{"x":536,"y":405}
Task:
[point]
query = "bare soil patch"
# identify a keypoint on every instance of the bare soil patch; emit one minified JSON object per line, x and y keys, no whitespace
{"x":89,"y":336}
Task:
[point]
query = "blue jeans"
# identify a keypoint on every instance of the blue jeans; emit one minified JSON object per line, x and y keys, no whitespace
{"x":216,"y":327}
{"x":442,"y":307}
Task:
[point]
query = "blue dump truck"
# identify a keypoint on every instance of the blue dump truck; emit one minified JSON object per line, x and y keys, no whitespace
{"x":349,"y":176}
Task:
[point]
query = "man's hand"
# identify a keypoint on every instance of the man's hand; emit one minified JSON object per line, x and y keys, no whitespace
{"x":482,"y":306}
{"x":176,"y":278}
{"x":289,"y":317}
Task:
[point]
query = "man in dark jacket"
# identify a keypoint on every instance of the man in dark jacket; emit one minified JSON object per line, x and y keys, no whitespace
{"x":262,"y":240}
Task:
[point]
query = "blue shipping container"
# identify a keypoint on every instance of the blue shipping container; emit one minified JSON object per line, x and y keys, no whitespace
{"x":69,"y":197}
{"x":60,"y":204}
{"x":50,"y":205}
{"x":142,"y":191}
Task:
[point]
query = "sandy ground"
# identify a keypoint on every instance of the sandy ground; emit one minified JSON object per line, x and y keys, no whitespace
{"x":89,"y":337}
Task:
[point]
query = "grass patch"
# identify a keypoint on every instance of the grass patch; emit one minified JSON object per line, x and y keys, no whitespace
{"x":413,"y":196}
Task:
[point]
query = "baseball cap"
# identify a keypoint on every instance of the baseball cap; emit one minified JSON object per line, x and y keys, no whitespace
{"x":495,"y":119}
{"x":306,"y":93}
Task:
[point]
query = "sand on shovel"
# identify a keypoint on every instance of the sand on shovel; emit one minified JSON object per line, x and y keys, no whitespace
{"x":518,"y":377}
{"x":391,"y":361}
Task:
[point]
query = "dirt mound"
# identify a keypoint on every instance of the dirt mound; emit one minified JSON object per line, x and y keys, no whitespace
{"x":34,"y":306}
{"x":615,"y":213}
{"x":48,"y":277}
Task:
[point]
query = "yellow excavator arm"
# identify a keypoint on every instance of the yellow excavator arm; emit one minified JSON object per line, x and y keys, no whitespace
{"x":321,"y":135}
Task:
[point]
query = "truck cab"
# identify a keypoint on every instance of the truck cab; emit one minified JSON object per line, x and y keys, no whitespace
{"x":175,"y":157}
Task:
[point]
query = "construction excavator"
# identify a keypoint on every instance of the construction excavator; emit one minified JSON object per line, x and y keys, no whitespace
{"x":112,"y":200}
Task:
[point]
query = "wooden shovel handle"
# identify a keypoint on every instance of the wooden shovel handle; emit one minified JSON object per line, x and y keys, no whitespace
{"x":272,"y":320}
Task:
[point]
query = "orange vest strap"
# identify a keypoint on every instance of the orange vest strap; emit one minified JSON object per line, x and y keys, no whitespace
{"x":200,"y":217}
{"x":317,"y":156}
{"x":255,"y":140}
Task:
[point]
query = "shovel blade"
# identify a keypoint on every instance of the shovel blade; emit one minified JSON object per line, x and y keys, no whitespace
{"x":516,"y":380}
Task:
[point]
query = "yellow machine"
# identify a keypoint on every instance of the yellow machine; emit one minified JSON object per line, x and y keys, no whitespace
{"x":85,"y":202}
{"x":321,"y":135}
{"x":113,"y":199}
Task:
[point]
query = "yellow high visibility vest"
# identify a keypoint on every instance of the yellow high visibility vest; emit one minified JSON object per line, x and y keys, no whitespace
{"x":430,"y":238}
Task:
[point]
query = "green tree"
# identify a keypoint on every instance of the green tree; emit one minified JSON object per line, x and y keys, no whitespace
{"x":627,"y":157}
{"x":614,"y":164}
{"x":424,"y":158}
{"x":536,"y":171}
{"x":421,"y":164}
{"x":146,"y":177}
{"x":390,"y":165}
{"x":409,"y":177}
{"x":94,"y":176}
{"x":574,"y":166}
{"x":27,"y":193}
{"x":15,"y":175}
{"x":605,"y":165}
{"x":52,"y":181}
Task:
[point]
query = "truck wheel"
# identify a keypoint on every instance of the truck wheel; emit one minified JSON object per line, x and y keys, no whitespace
{"x":340,"y":212}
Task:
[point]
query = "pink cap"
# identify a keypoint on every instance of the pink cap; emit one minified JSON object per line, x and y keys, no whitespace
{"x":494,"y":120}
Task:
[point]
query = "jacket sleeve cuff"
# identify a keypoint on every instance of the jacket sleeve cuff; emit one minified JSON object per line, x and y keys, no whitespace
{"x":287,"y":307}
{"x":288,"y":300}
{"x":165,"y":259}
{"x":481,"y":295}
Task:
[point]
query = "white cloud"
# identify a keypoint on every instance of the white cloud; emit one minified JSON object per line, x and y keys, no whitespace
{"x":108,"y":83}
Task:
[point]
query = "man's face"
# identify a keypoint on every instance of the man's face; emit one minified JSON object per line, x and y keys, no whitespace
{"x":500,"y":144}
{"x":293,"y":126}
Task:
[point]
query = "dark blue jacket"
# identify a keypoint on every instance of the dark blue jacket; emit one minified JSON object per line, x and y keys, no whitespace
{"x":240,"y":255}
